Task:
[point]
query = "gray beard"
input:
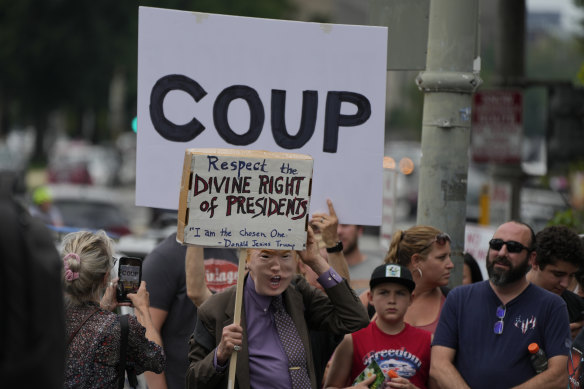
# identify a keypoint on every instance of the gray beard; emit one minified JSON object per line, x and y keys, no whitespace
{"x":507,"y":277}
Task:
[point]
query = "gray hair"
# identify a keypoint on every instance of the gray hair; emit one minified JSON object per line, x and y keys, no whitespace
{"x":88,"y":255}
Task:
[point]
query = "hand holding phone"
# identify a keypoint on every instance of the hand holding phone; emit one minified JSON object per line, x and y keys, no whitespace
{"x":130,"y":276}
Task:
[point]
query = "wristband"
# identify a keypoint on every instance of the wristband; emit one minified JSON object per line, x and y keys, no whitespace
{"x":336,"y":248}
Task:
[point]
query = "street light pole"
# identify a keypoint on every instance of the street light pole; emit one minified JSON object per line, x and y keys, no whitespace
{"x":510,"y":69}
{"x":450,"y":79}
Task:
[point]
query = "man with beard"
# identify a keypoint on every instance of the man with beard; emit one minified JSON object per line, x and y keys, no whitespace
{"x":485,"y":328}
{"x":347,"y":240}
{"x":560,"y":255}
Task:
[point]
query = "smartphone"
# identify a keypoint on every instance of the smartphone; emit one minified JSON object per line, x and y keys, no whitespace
{"x":130,"y":276}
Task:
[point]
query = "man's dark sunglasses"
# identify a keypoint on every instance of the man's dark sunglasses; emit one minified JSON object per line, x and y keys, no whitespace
{"x":512,"y":246}
{"x":441,"y":239}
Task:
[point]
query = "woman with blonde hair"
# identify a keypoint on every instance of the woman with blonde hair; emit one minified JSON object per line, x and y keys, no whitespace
{"x":93,"y":331}
{"x":425,"y":251}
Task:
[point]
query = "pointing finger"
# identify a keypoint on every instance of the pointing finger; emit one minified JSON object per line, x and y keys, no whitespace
{"x":331,"y":208}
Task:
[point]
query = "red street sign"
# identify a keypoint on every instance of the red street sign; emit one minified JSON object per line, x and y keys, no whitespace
{"x":497,"y":126}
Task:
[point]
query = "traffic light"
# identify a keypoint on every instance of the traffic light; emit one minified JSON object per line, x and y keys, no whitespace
{"x":135,"y":124}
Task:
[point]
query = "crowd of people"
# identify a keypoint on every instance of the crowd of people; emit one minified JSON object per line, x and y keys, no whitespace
{"x":330,"y":315}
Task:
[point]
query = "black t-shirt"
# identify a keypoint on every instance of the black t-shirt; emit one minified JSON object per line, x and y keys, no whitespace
{"x":164,"y":273}
{"x":575,"y":306}
{"x":323,"y":344}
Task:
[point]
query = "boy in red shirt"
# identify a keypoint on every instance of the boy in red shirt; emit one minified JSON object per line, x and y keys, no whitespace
{"x":394,"y":345}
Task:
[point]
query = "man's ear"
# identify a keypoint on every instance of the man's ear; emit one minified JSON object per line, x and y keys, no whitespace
{"x":532,"y":260}
{"x":370,"y":296}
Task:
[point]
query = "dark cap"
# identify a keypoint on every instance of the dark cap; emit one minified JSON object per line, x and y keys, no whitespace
{"x":392,"y":272}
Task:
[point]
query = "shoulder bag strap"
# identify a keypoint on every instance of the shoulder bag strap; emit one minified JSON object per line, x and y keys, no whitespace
{"x":79,"y":327}
{"x":123,"y":349}
{"x":124,"y":366}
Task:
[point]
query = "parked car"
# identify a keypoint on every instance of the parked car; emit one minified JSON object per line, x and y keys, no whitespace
{"x":539,"y":205}
{"x":90,"y":208}
{"x":162,"y":223}
{"x":76,"y":162}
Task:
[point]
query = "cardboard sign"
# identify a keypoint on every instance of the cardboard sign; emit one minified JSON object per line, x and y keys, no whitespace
{"x":242,"y":198}
{"x":219,"y":81}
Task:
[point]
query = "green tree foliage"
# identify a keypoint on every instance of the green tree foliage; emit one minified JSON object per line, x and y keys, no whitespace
{"x":62,"y":54}
{"x":554,"y":58}
{"x":572,"y":218}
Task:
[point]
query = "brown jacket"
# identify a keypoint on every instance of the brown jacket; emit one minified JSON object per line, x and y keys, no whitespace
{"x":338,"y":311}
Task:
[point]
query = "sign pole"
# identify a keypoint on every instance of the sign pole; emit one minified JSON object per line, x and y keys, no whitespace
{"x":242,"y":199}
{"x":237,"y":313}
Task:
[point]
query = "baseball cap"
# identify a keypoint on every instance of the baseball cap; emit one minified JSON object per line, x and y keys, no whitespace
{"x":41,"y":195}
{"x":392,"y":272}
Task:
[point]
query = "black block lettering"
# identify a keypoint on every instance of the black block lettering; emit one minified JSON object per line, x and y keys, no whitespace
{"x":307,"y":121}
{"x":167,"y":129}
{"x":334,"y":119}
{"x":256,"y":110}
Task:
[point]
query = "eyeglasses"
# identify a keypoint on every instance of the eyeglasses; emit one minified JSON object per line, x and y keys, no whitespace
{"x":441,"y":239}
{"x":498,"y":328}
{"x":512,"y":246}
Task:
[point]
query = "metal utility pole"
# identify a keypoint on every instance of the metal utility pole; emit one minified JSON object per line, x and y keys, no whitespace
{"x":450,"y":79}
{"x":510,"y":68}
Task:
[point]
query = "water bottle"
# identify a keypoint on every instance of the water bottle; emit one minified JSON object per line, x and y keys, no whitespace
{"x":538,"y":358}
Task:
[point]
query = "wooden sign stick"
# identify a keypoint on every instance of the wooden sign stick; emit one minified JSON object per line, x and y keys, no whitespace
{"x":237,"y":313}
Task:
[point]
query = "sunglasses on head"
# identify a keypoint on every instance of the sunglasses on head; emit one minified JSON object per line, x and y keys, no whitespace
{"x":440,"y":239}
{"x":512,"y":246}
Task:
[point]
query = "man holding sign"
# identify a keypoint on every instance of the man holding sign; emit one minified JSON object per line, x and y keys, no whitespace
{"x":273,"y":345}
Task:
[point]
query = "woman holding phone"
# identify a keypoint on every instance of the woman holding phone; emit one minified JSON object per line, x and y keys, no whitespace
{"x":93,"y":331}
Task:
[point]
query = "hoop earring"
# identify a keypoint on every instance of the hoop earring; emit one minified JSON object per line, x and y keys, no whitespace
{"x":419,"y":271}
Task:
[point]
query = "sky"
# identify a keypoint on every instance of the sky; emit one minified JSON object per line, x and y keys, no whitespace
{"x":568,"y":10}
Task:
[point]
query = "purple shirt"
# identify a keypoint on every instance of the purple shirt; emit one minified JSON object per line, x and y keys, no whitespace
{"x":268,"y":363}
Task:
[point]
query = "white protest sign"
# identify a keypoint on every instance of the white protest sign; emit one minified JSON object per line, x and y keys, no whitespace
{"x":217,"y":81}
{"x":476,"y":243}
{"x":242,"y":198}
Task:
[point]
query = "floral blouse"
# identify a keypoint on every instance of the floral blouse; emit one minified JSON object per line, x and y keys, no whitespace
{"x":92,"y":358}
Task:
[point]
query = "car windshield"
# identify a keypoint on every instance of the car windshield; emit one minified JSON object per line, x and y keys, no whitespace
{"x":89,"y":214}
